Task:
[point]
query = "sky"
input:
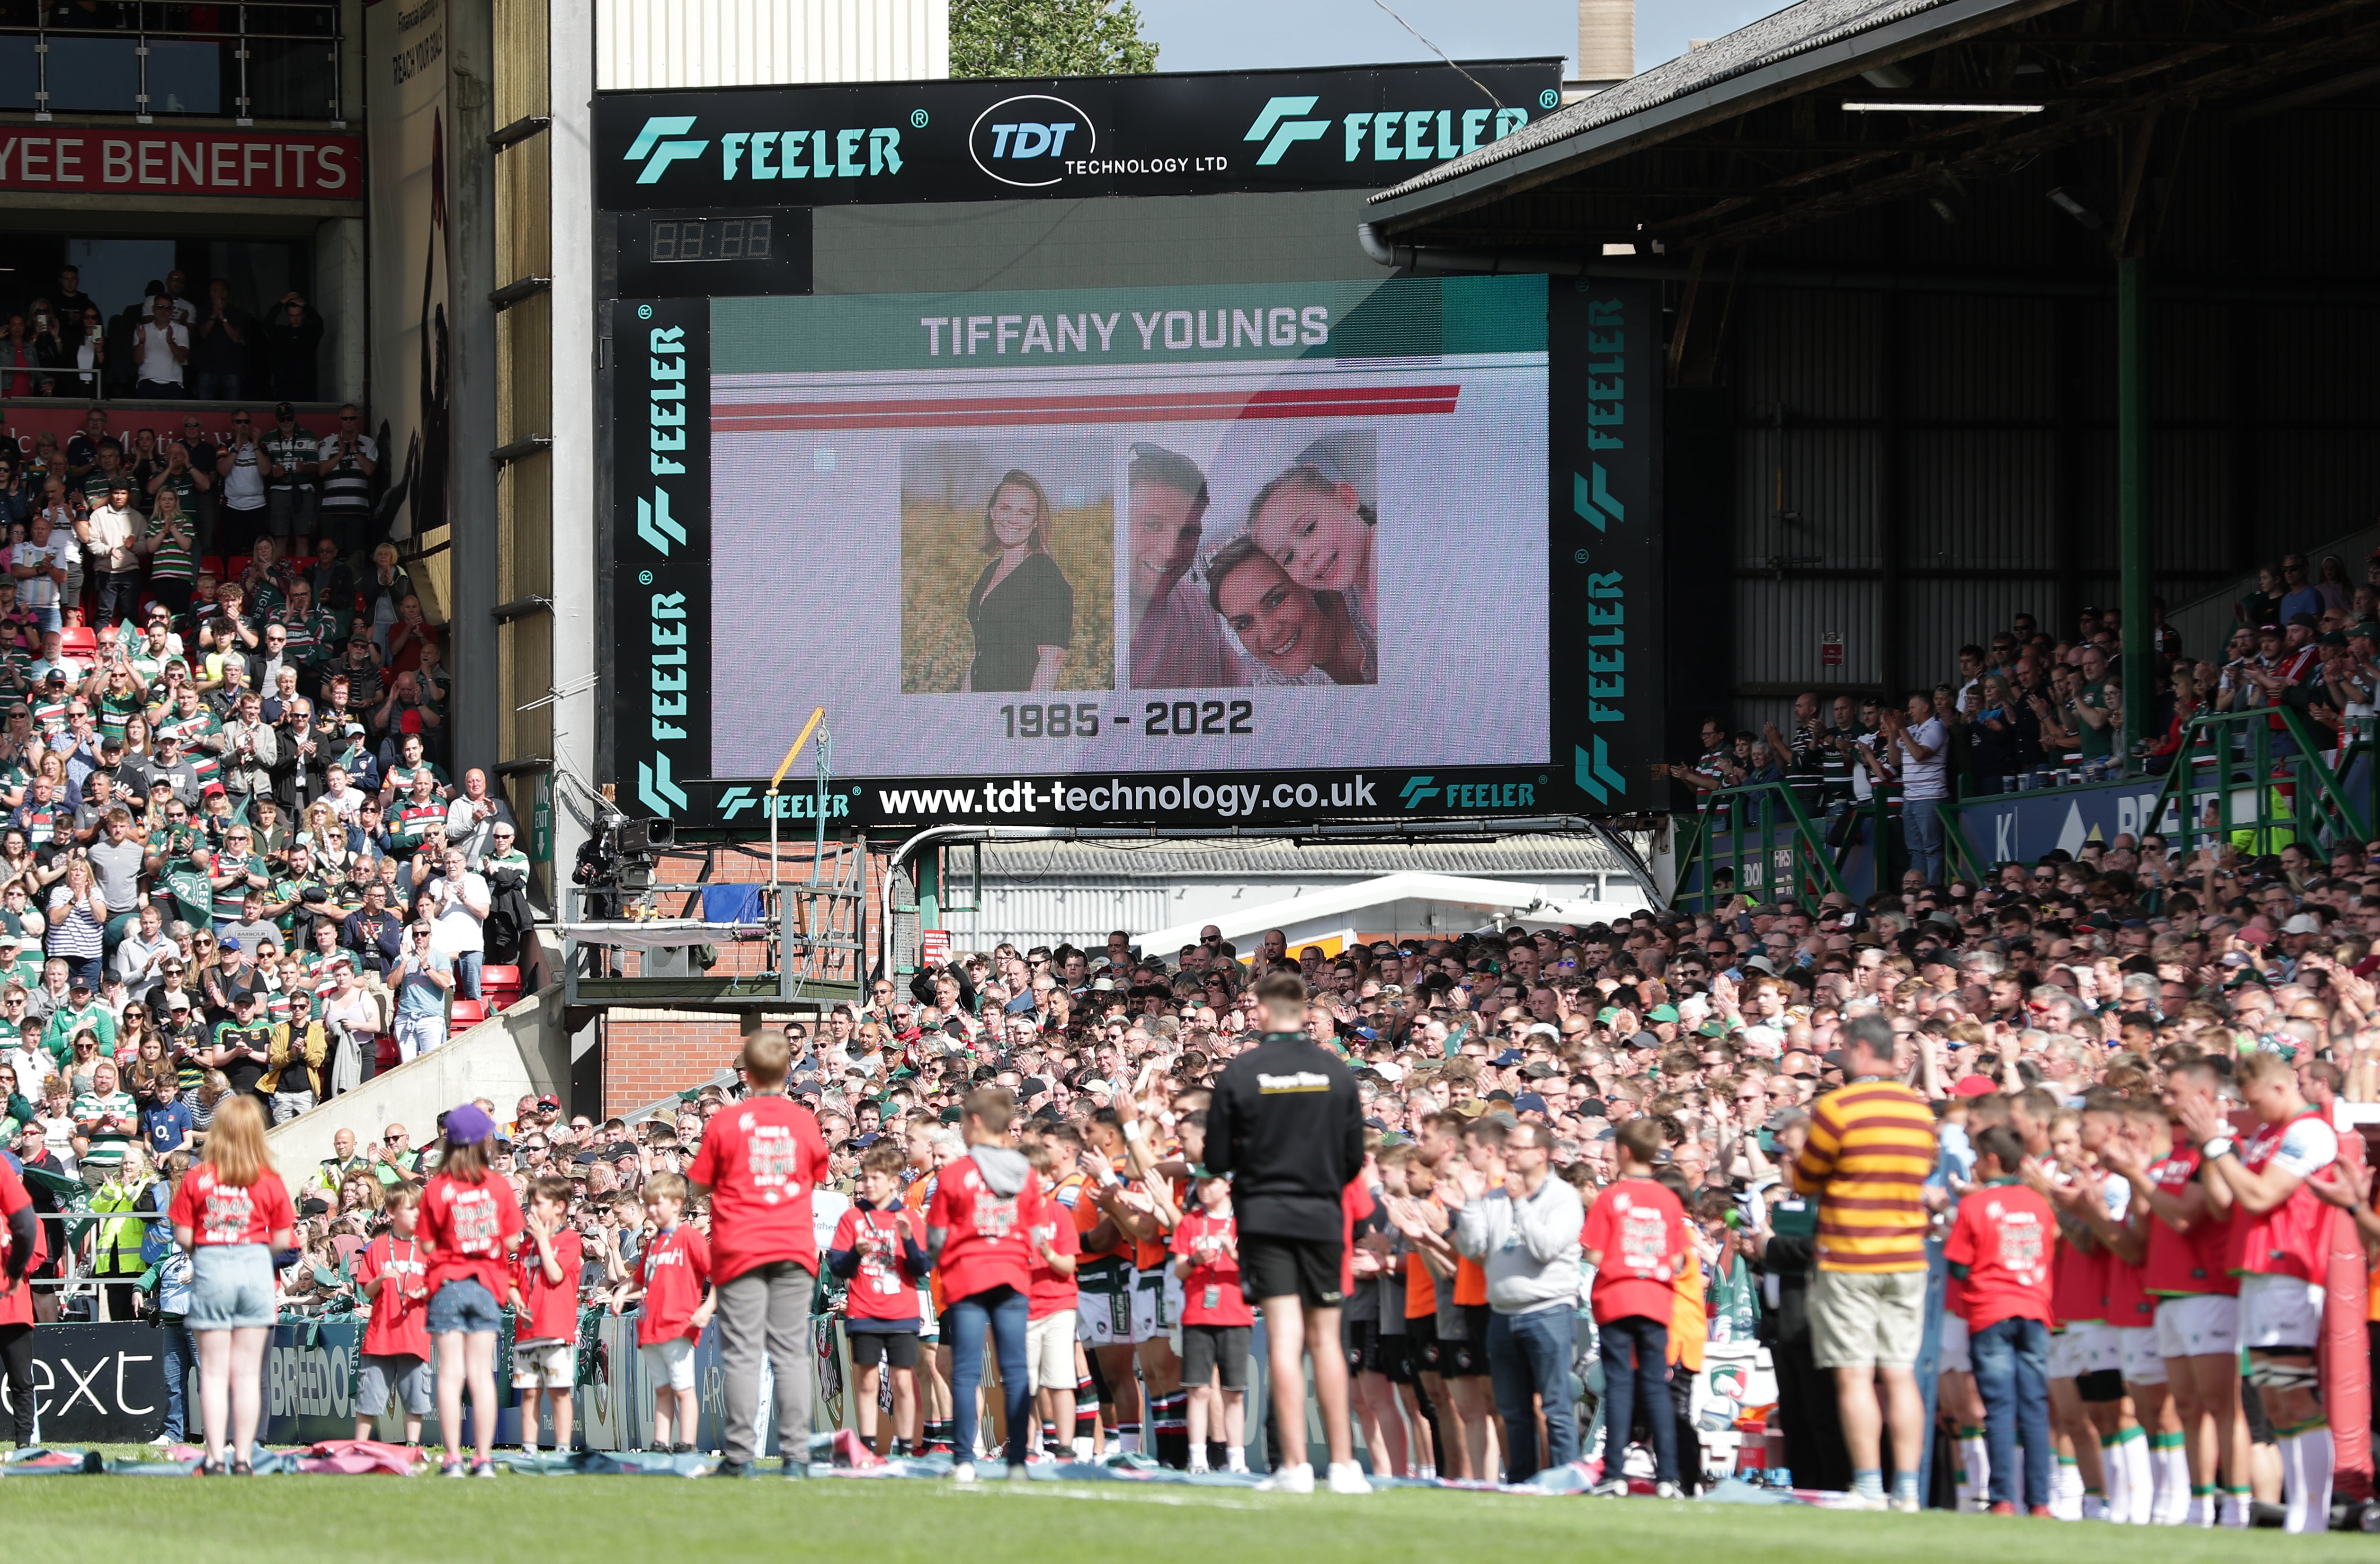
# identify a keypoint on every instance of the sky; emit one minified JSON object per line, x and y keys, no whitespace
{"x":1247,"y":34}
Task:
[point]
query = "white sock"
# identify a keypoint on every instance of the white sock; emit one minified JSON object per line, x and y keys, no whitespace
{"x":2177,"y":1485}
{"x":2195,"y":1515}
{"x":2140,"y":1476}
{"x":2066,"y":1493}
{"x":2235,"y":1512}
{"x":2294,"y":1487}
{"x":2316,"y":1456}
{"x":1082,"y":1447}
{"x":1197,"y":1458}
{"x":2113,"y":1478}
{"x":1235,"y":1458}
{"x":1129,"y":1444}
{"x":1975,"y":1461}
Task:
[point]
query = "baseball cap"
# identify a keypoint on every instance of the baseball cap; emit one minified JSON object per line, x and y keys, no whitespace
{"x":468,"y":1125}
{"x":2252,"y":935}
{"x":1662,"y":1013}
{"x":1528,"y":1102}
{"x":284,"y":410}
{"x":2304,"y":923}
{"x":1971,"y":1086}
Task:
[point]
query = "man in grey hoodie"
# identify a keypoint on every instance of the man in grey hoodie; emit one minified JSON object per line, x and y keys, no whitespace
{"x":1521,"y":1224}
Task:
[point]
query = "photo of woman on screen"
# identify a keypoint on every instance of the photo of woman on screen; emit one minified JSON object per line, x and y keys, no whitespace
{"x":1296,"y":637}
{"x":1312,"y":519}
{"x":1022,"y":609}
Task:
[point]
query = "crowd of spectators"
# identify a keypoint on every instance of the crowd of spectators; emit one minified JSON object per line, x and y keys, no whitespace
{"x":2031,"y":709}
{"x":166,"y":343}
{"x":1670,"y":1074}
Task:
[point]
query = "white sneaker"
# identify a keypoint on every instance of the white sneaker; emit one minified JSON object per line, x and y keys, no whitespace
{"x":1298,"y":1479}
{"x":962,"y":1471}
{"x":1905,"y":1506}
{"x":1667,"y":1490}
{"x":1346,"y":1477}
{"x":161,"y":1442}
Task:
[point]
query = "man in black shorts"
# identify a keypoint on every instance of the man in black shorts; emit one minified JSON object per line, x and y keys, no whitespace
{"x":1286,"y":1124}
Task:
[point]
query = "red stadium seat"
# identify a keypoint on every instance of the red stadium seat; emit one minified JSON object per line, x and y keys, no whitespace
{"x":211,"y":564}
{"x":235,"y":567}
{"x":466,"y":1012}
{"x":508,"y":978}
{"x":79,"y":640}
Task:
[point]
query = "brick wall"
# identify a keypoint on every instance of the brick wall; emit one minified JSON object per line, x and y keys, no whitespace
{"x":649,"y":1053}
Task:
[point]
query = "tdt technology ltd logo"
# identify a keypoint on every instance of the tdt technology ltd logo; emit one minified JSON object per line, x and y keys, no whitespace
{"x":1026,"y":141}
{"x":653,"y":144}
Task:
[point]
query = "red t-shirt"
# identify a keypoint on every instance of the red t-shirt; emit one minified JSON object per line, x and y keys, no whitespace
{"x":673,"y":1268}
{"x":2004,"y":1235}
{"x":17,"y":1303}
{"x":1355,"y":1206}
{"x":399,"y":1326}
{"x":1053,"y":1292}
{"x":760,"y":1158}
{"x":552,"y":1309}
{"x":1211,"y":1294}
{"x":1640,"y":1229}
{"x":986,"y":1244}
{"x":468,"y":1231}
{"x":2183,"y":1264}
{"x":222,"y":1213}
{"x":882,"y":1288}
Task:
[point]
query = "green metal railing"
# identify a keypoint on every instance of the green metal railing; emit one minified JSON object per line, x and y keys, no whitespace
{"x":1760,"y":835}
{"x":2236,"y":779}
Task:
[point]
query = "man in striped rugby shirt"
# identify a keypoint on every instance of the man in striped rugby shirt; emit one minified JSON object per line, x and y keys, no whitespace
{"x":1871,"y":1145}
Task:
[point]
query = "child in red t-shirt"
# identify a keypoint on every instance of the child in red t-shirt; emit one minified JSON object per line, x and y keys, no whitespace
{"x":674,"y":1282}
{"x":2001,"y":1249}
{"x":1050,"y":1352}
{"x":879,"y":1247}
{"x":545,"y":1312}
{"x":470,"y":1224}
{"x":394,"y":1277}
{"x":979,"y":1230}
{"x":1634,"y":1237}
{"x":1216,"y":1321}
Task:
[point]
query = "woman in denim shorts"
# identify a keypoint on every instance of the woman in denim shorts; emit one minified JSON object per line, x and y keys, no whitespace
{"x":470,"y":1224}
{"x":232,"y":1212}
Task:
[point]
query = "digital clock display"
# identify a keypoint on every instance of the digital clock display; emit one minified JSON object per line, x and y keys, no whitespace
{"x":709,"y":238}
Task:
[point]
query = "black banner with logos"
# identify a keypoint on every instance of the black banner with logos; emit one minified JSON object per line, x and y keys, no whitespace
{"x":1001,"y":139}
{"x":660,"y":550}
{"x":1604,"y":436}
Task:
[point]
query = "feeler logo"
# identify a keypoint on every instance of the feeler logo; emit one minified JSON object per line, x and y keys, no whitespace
{"x":1416,"y":790}
{"x":1286,"y":132}
{"x":661,"y":154}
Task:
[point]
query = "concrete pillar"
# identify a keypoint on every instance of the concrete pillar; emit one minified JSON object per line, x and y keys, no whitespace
{"x":570,"y":90}
{"x":339,"y":297}
{"x":471,"y":497}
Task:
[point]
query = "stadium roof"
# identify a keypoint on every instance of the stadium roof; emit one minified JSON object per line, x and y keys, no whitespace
{"x":1802,"y":116}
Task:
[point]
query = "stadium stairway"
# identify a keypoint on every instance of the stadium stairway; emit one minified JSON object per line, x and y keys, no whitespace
{"x":524,"y":1050}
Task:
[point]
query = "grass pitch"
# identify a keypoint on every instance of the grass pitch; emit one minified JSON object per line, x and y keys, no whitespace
{"x":311,"y":1520}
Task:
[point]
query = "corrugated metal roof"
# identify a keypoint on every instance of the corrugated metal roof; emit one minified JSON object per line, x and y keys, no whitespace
{"x":1797,"y":30}
{"x":1168,"y":859}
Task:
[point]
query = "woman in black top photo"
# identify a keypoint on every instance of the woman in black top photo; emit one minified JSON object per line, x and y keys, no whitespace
{"x":1022,"y":609}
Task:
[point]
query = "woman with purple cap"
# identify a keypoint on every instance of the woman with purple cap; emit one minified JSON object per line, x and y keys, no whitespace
{"x":471,"y":1223}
